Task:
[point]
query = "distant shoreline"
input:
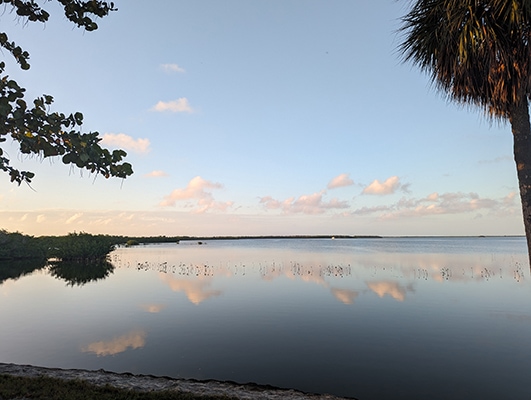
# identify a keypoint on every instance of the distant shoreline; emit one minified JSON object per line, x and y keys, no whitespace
{"x":163,"y":239}
{"x":283,"y":237}
{"x":173,"y":239}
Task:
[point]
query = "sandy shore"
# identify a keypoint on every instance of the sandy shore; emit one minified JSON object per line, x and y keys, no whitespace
{"x":154,"y":383}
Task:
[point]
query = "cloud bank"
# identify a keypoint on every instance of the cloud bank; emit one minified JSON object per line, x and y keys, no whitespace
{"x":441,"y":204}
{"x":305,"y":204}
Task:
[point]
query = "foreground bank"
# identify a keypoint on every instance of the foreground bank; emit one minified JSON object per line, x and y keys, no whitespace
{"x":192,"y":389}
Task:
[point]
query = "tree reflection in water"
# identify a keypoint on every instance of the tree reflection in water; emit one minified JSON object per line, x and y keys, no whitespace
{"x":79,"y":273}
{"x":14,"y":269}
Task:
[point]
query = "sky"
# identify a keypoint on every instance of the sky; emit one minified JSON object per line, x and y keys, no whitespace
{"x":280,"y":117}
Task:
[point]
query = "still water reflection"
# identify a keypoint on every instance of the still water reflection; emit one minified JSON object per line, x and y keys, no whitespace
{"x":404,"y":318}
{"x":80,"y":273}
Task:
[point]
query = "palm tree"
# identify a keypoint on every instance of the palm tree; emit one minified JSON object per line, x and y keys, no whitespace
{"x":479,"y":53}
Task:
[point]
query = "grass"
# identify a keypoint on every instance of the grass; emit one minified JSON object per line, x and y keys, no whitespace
{"x":47,"y":388}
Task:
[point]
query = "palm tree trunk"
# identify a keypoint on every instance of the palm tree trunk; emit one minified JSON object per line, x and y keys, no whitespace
{"x":521,"y":127}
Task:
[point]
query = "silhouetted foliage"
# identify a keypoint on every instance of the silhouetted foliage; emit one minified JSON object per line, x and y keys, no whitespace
{"x":154,"y":239}
{"x":79,"y":246}
{"x":16,"y":246}
{"x":132,"y":242}
{"x":38,"y":131}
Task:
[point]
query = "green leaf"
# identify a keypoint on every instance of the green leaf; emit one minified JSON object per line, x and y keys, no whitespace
{"x":79,"y":118}
{"x":21,"y":103}
{"x":67,"y":158}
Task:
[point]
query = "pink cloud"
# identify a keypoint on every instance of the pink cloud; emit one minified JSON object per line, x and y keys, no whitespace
{"x":199,"y":198}
{"x":305,"y":204}
{"x":340,"y":181}
{"x":390,"y":186}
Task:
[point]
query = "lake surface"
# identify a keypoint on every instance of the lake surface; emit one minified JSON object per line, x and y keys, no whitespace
{"x":391,"y":318}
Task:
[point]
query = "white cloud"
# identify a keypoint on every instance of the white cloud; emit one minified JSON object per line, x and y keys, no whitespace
{"x":156,"y":174}
{"x":126,"y":142}
{"x":200,"y":199}
{"x":340,"y":181}
{"x":305,"y":204}
{"x":176,"y":106}
{"x":172,"y":68}
{"x":40,"y":218}
{"x":390,"y":186}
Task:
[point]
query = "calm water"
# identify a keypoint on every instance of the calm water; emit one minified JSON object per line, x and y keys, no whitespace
{"x":408,"y":318}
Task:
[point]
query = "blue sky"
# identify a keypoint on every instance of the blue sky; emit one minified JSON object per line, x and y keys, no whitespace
{"x":255,"y":118}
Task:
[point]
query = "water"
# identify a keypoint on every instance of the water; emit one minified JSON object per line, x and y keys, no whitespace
{"x":404,"y":318}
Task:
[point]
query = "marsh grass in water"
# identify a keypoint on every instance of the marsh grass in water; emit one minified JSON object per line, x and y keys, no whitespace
{"x":16,"y":387}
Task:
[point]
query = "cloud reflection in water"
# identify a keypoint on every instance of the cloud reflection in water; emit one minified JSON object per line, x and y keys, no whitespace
{"x":135,"y":340}
{"x":346,"y":276}
{"x":390,"y":288}
{"x":196,"y":290}
{"x":153,"y":308}
{"x":346,"y":296}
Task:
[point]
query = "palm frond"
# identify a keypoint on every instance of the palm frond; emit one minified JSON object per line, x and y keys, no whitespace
{"x":476,"y":51}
